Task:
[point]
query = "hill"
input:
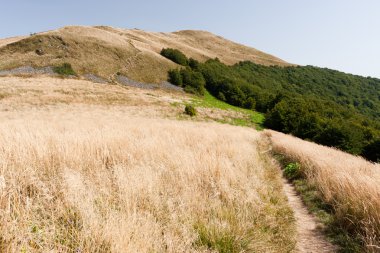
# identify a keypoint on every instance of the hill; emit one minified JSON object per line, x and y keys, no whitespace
{"x":319,"y":104}
{"x":87,"y":167}
{"x":105,"y":51}
{"x":100,"y":166}
{"x":80,"y":167}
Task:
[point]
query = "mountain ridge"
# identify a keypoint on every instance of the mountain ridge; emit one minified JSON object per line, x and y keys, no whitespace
{"x":105,"y":50}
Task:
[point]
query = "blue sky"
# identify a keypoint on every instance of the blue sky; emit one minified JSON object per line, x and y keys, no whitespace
{"x":339,"y":34}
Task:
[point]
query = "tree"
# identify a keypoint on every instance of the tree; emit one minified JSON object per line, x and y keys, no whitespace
{"x":175,"y":77}
{"x":175,"y":55}
{"x":318,"y":104}
{"x":194,"y":64}
{"x":372,"y":151}
{"x":250,"y":103}
{"x":193,"y":81}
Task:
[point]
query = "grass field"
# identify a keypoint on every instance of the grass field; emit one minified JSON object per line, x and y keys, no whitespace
{"x":81,"y":171}
{"x":103,"y":168}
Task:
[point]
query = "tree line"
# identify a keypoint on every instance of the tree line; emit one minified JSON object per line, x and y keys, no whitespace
{"x":318,"y":104}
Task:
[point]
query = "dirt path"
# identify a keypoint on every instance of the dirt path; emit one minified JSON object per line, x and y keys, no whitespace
{"x":309,"y":238}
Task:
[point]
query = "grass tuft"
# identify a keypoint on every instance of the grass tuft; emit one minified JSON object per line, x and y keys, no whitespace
{"x":65,"y":70}
{"x":190,"y":110}
{"x":292,"y":171}
{"x":220,"y":241}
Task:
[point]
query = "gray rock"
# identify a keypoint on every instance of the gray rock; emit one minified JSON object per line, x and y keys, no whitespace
{"x":95,"y":78}
{"x":129,"y":82}
{"x":28,"y":70}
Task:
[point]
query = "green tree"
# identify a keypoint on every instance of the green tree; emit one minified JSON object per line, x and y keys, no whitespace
{"x":193,"y":81}
{"x":372,"y":151}
{"x":175,"y":55}
{"x":194,"y":64}
{"x":318,"y":104}
{"x":175,"y":77}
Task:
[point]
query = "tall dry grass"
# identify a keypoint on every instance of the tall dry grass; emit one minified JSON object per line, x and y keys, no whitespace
{"x":108,"y":182}
{"x":350,"y":184}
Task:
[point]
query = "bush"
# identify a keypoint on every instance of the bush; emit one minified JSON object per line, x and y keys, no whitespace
{"x":175,"y":77}
{"x":175,"y":55}
{"x":194,"y":64}
{"x":250,"y":103}
{"x":221,"y":96}
{"x":292,"y":171}
{"x":372,"y":151}
{"x":65,"y":69}
{"x":193,"y":81}
{"x":190,"y":110}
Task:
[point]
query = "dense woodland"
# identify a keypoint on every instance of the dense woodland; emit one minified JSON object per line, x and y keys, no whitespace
{"x":318,"y":104}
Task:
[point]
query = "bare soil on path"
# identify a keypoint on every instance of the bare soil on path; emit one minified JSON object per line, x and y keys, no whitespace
{"x":309,"y":238}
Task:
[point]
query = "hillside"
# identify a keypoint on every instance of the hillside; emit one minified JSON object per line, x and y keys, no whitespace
{"x":340,"y":189}
{"x":81,"y":171}
{"x":319,"y":104}
{"x":91,"y":160}
{"x":105,"y":51}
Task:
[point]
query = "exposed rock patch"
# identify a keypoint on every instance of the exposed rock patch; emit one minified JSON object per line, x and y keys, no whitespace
{"x":129,"y":82}
{"x":95,"y":78}
{"x":28,"y":70}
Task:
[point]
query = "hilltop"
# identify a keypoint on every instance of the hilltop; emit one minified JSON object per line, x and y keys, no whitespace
{"x":105,"y":51}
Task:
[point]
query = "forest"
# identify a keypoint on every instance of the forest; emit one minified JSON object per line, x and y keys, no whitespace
{"x":317,"y":104}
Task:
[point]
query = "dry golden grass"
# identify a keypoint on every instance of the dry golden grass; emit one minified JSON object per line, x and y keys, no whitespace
{"x":200,"y":45}
{"x":4,"y":42}
{"x":95,"y":182}
{"x":105,"y":51}
{"x":21,"y":94}
{"x":27,"y":92}
{"x":80,"y":173}
{"x":350,"y":184}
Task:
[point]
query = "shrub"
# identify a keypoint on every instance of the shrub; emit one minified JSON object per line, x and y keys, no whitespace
{"x":194,"y":64}
{"x":175,"y":77}
{"x":292,"y":171}
{"x":190,"y":110}
{"x":175,"y":55}
{"x":250,"y":103}
{"x":372,"y":151}
{"x":221,"y":96}
{"x":65,"y":69}
{"x":193,"y":81}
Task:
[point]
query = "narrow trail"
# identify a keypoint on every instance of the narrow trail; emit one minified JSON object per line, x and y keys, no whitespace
{"x":309,"y":238}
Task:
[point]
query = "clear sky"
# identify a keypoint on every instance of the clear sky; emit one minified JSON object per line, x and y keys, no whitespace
{"x":339,"y":34}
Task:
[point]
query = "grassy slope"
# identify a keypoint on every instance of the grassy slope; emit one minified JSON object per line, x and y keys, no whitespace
{"x":245,"y":117}
{"x":89,"y":177}
{"x":49,"y":100}
{"x":340,"y":188}
{"x":105,"y":51}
